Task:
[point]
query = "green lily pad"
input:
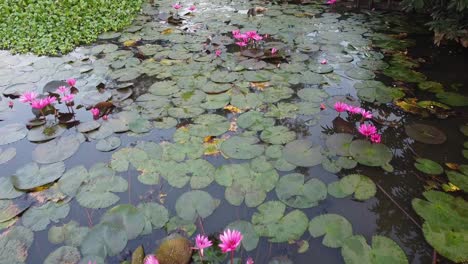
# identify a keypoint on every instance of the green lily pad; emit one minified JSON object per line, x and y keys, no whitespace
{"x":72,"y":179}
{"x":98,"y":190}
{"x":384,"y":250}
{"x":339,"y":143}
{"x":290,"y":227}
{"x":88,"y":126}
{"x":459,"y":179}
{"x":360,"y":74}
{"x":128,"y":216}
{"x":31,"y":175}
{"x":177,"y":223}
{"x":362,"y":187}
{"x":433,"y":87}
{"x":156,"y":216}
{"x":321,"y":68}
{"x":242,"y":147}
{"x":38,"y":218}
{"x":425,"y":134}
{"x":250,"y":238}
{"x":302,"y":153}
{"x":312,"y":95}
{"x":277,"y":135}
{"x":245,"y":101}
{"x":335,"y":229}
{"x":194,"y":204}
{"x":404,"y":74}
{"x":7,"y":155}
{"x":223,"y":77}
{"x":209,"y":125}
{"x":103,"y":240}
{"x":17,"y":240}
{"x":215,"y":88}
{"x":12,"y":132}
{"x":445,"y":223}
{"x":64,"y":254}
{"x":452,"y":99}
{"x":108,"y":144}
{"x":71,"y":234}
{"x":373,"y":65}
{"x":140,"y":125}
{"x":257,"y":76}
{"x":7,"y":190}
{"x":45,"y":132}
{"x":9,"y":208}
{"x":199,"y":172}
{"x":122,"y":158}
{"x":293,"y":191}
{"x":428,"y":166}
{"x":370,"y":154}
{"x":58,"y":149}
{"x":275,"y":94}
{"x":254,"y":120}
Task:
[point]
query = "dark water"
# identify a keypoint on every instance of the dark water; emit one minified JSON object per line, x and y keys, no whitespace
{"x":389,"y":213}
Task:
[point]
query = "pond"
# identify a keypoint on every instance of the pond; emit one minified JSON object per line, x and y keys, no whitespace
{"x":313,"y":131}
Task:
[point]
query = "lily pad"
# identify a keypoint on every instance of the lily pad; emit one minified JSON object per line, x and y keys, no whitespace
{"x":9,"y":208}
{"x":156,"y":216}
{"x":12,"y":132}
{"x":290,"y":227}
{"x":250,"y":238}
{"x":360,"y":74}
{"x":88,"y":126}
{"x":242,"y":147}
{"x":362,"y":187}
{"x":223,"y":77}
{"x":104,"y":240}
{"x":32,"y":175}
{"x":277,"y":135}
{"x":17,"y":240}
{"x":335,"y":229}
{"x":433,"y":87}
{"x":339,"y":143}
{"x":302,"y":153}
{"x":370,"y":154}
{"x":7,"y":154}
{"x":459,"y":179}
{"x":193,"y":204}
{"x":64,"y":254}
{"x":293,"y":191}
{"x":257,"y":76}
{"x":108,"y":144}
{"x":71,"y":234}
{"x":428,"y":166}
{"x":38,"y":218}
{"x":128,"y":216}
{"x":45,"y":132}
{"x":445,"y":223}
{"x":453,"y":99}
{"x":7,"y":190}
{"x":425,"y":134}
{"x":356,"y":250}
{"x":312,"y":95}
{"x":58,"y":149}
{"x":254,"y":120}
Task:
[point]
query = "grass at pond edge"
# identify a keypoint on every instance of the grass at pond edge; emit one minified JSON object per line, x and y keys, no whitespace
{"x":49,"y":27}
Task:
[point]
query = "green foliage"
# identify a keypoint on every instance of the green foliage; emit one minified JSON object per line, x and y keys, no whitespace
{"x":53,"y":27}
{"x":448,"y":18}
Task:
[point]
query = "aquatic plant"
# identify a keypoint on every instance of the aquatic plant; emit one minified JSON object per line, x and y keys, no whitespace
{"x":202,"y":242}
{"x":230,"y":241}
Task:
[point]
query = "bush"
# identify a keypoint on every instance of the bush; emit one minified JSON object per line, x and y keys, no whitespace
{"x":449,"y":18}
{"x":57,"y":26}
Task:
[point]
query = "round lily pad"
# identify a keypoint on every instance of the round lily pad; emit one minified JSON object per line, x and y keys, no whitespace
{"x":32,"y":175}
{"x":156,"y":216}
{"x":193,"y":204}
{"x":425,"y":134}
{"x":250,"y":238}
{"x":356,"y":250}
{"x":312,"y":95}
{"x":104,"y":240}
{"x":7,"y":190}
{"x":242,"y":147}
{"x":71,"y":234}
{"x":302,"y":153}
{"x":88,"y":126}
{"x":17,"y":240}
{"x":9,"y":208}
{"x":321,"y":68}
{"x":370,"y":154}
{"x":335,"y":229}
{"x":277,"y":135}
{"x":108,"y":144}
{"x":362,"y":187}
{"x":254,"y":120}
{"x":360,"y":74}
{"x":128,"y":216}
{"x":58,"y":149}
{"x":12,"y":132}
{"x":7,"y":155}
{"x":223,"y":76}
{"x":428,"y":166}
{"x":45,"y":132}
{"x":339,"y":143}
{"x":257,"y":76}
{"x":290,"y":227}
{"x":38,"y":218}
{"x":293,"y":191}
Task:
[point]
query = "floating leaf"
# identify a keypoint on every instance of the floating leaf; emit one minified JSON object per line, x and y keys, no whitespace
{"x":72,"y":179}
{"x":277,"y":135}
{"x":255,"y":121}
{"x":108,"y":144}
{"x":12,"y":132}
{"x":58,"y":149}
{"x":7,"y":190}
{"x":356,"y":250}
{"x":104,"y":240}
{"x":453,"y":99}
{"x":128,"y":216}
{"x":445,"y":223}
{"x":339,"y":143}
{"x":428,"y":166}
{"x":7,"y":154}
{"x":71,"y":234}
{"x":156,"y":216}
{"x":293,"y":191}
{"x":45,"y":132}
{"x":433,"y":87}
{"x":65,"y":254}
{"x":88,"y":126}
{"x":362,"y":187}
{"x":244,"y":147}
{"x":290,"y":227}
{"x":14,"y":245}
{"x":425,"y":133}
{"x":302,"y":153}
{"x":176,"y":223}
{"x":370,"y":154}
{"x":250,"y":238}
{"x":223,"y":76}
{"x":193,"y":204}
{"x":31,"y":175}
{"x":9,"y":209}
{"x":335,"y":229}
{"x":459,"y":179}
{"x":360,"y":74}
{"x":38,"y":218}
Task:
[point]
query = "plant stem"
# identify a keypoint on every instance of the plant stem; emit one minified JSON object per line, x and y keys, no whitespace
{"x":232,"y":257}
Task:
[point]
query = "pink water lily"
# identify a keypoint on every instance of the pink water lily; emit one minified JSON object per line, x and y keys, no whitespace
{"x":366,"y":114}
{"x":331,"y":2}
{"x":151,"y":259}
{"x":95,"y":112}
{"x":354,"y":109}
{"x":202,"y":242}
{"x":230,"y":240}
{"x":41,"y":103}
{"x":177,"y":6}
{"x":91,"y":262}
{"x":218,"y":53}
{"x":367,"y":129}
{"x":249,"y":261}
{"x":28,"y":97}
{"x":322,"y":106}
{"x":376,"y":138}
{"x":340,"y":107}
{"x":273,"y":51}
{"x":323,"y":61}
{"x":257,"y":37}
{"x":71,"y":82}
{"x":105,"y":117}
{"x":192,"y":8}
{"x":62,"y":90}
{"x":67,"y":98}
{"x":241,"y":44}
